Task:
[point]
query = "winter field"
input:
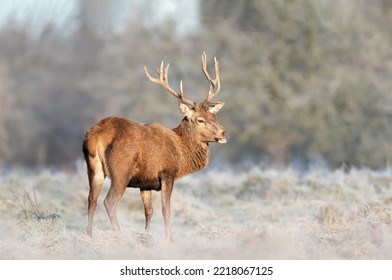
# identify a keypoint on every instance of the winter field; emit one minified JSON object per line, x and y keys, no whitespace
{"x":254,"y":214}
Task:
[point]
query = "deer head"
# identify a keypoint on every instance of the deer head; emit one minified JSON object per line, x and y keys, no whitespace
{"x":201,"y":116}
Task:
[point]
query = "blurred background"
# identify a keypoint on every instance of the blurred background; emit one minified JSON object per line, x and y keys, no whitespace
{"x":306,"y":82}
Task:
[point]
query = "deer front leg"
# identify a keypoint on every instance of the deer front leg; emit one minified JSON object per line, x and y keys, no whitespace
{"x":167,"y":187}
{"x":147,"y":202}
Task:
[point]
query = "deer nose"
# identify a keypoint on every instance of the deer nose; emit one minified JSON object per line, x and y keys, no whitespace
{"x":225,"y":134}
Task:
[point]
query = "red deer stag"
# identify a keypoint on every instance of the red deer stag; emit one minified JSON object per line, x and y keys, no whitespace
{"x":151,"y":156}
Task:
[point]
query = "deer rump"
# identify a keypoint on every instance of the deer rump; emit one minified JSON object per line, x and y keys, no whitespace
{"x":136,"y":155}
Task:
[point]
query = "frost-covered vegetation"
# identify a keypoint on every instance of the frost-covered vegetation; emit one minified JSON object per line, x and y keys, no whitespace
{"x":230,"y":214}
{"x":302,"y":80}
{"x":305,"y":83}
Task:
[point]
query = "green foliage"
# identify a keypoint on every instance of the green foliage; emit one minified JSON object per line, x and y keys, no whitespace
{"x":301,"y":80}
{"x":312,"y":80}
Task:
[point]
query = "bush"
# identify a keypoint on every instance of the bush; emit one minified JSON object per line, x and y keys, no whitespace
{"x":301,"y":81}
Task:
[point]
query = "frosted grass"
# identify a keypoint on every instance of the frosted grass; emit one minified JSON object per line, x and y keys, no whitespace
{"x":253,"y":214}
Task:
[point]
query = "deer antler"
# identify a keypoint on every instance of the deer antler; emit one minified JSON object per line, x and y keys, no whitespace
{"x":164,"y":81}
{"x":214,"y":83}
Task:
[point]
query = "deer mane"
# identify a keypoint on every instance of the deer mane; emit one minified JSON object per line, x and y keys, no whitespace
{"x":195,"y":154}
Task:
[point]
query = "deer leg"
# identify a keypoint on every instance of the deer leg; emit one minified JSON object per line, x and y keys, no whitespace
{"x":147,"y":202}
{"x":167,"y":187}
{"x":96,"y":178}
{"x":114,"y":195}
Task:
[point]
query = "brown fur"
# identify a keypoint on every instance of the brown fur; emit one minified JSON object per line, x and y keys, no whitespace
{"x":144,"y":156}
{"x":143,"y":151}
{"x":148,"y":156}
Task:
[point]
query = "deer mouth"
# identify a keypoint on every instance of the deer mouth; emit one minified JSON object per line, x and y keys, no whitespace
{"x":221,"y":140}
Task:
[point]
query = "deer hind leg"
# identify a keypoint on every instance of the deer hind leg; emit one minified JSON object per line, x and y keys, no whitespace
{"x":96,"y":178}
{"x":115,"y":193}
{"x":167,"y":187}
{"x":147,"y":202}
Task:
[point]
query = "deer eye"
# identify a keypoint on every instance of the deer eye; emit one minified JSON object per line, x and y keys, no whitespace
{"x":201,"y":121}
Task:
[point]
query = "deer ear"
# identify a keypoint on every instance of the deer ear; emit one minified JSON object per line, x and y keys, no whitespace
{"x":185,"y":110}
{"x":215,"y":107}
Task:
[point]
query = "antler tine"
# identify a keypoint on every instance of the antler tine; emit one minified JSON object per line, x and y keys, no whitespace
{"x":214,"y":83}
{"x":163,"y":80}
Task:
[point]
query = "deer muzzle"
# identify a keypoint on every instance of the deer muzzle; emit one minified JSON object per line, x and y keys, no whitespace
{"x":223,"y":138}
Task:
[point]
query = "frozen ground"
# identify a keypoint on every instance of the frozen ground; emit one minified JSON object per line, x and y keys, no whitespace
{"x":254,"y":214}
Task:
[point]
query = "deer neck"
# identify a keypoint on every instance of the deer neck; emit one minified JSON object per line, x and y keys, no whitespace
{"x":194,"y":154}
